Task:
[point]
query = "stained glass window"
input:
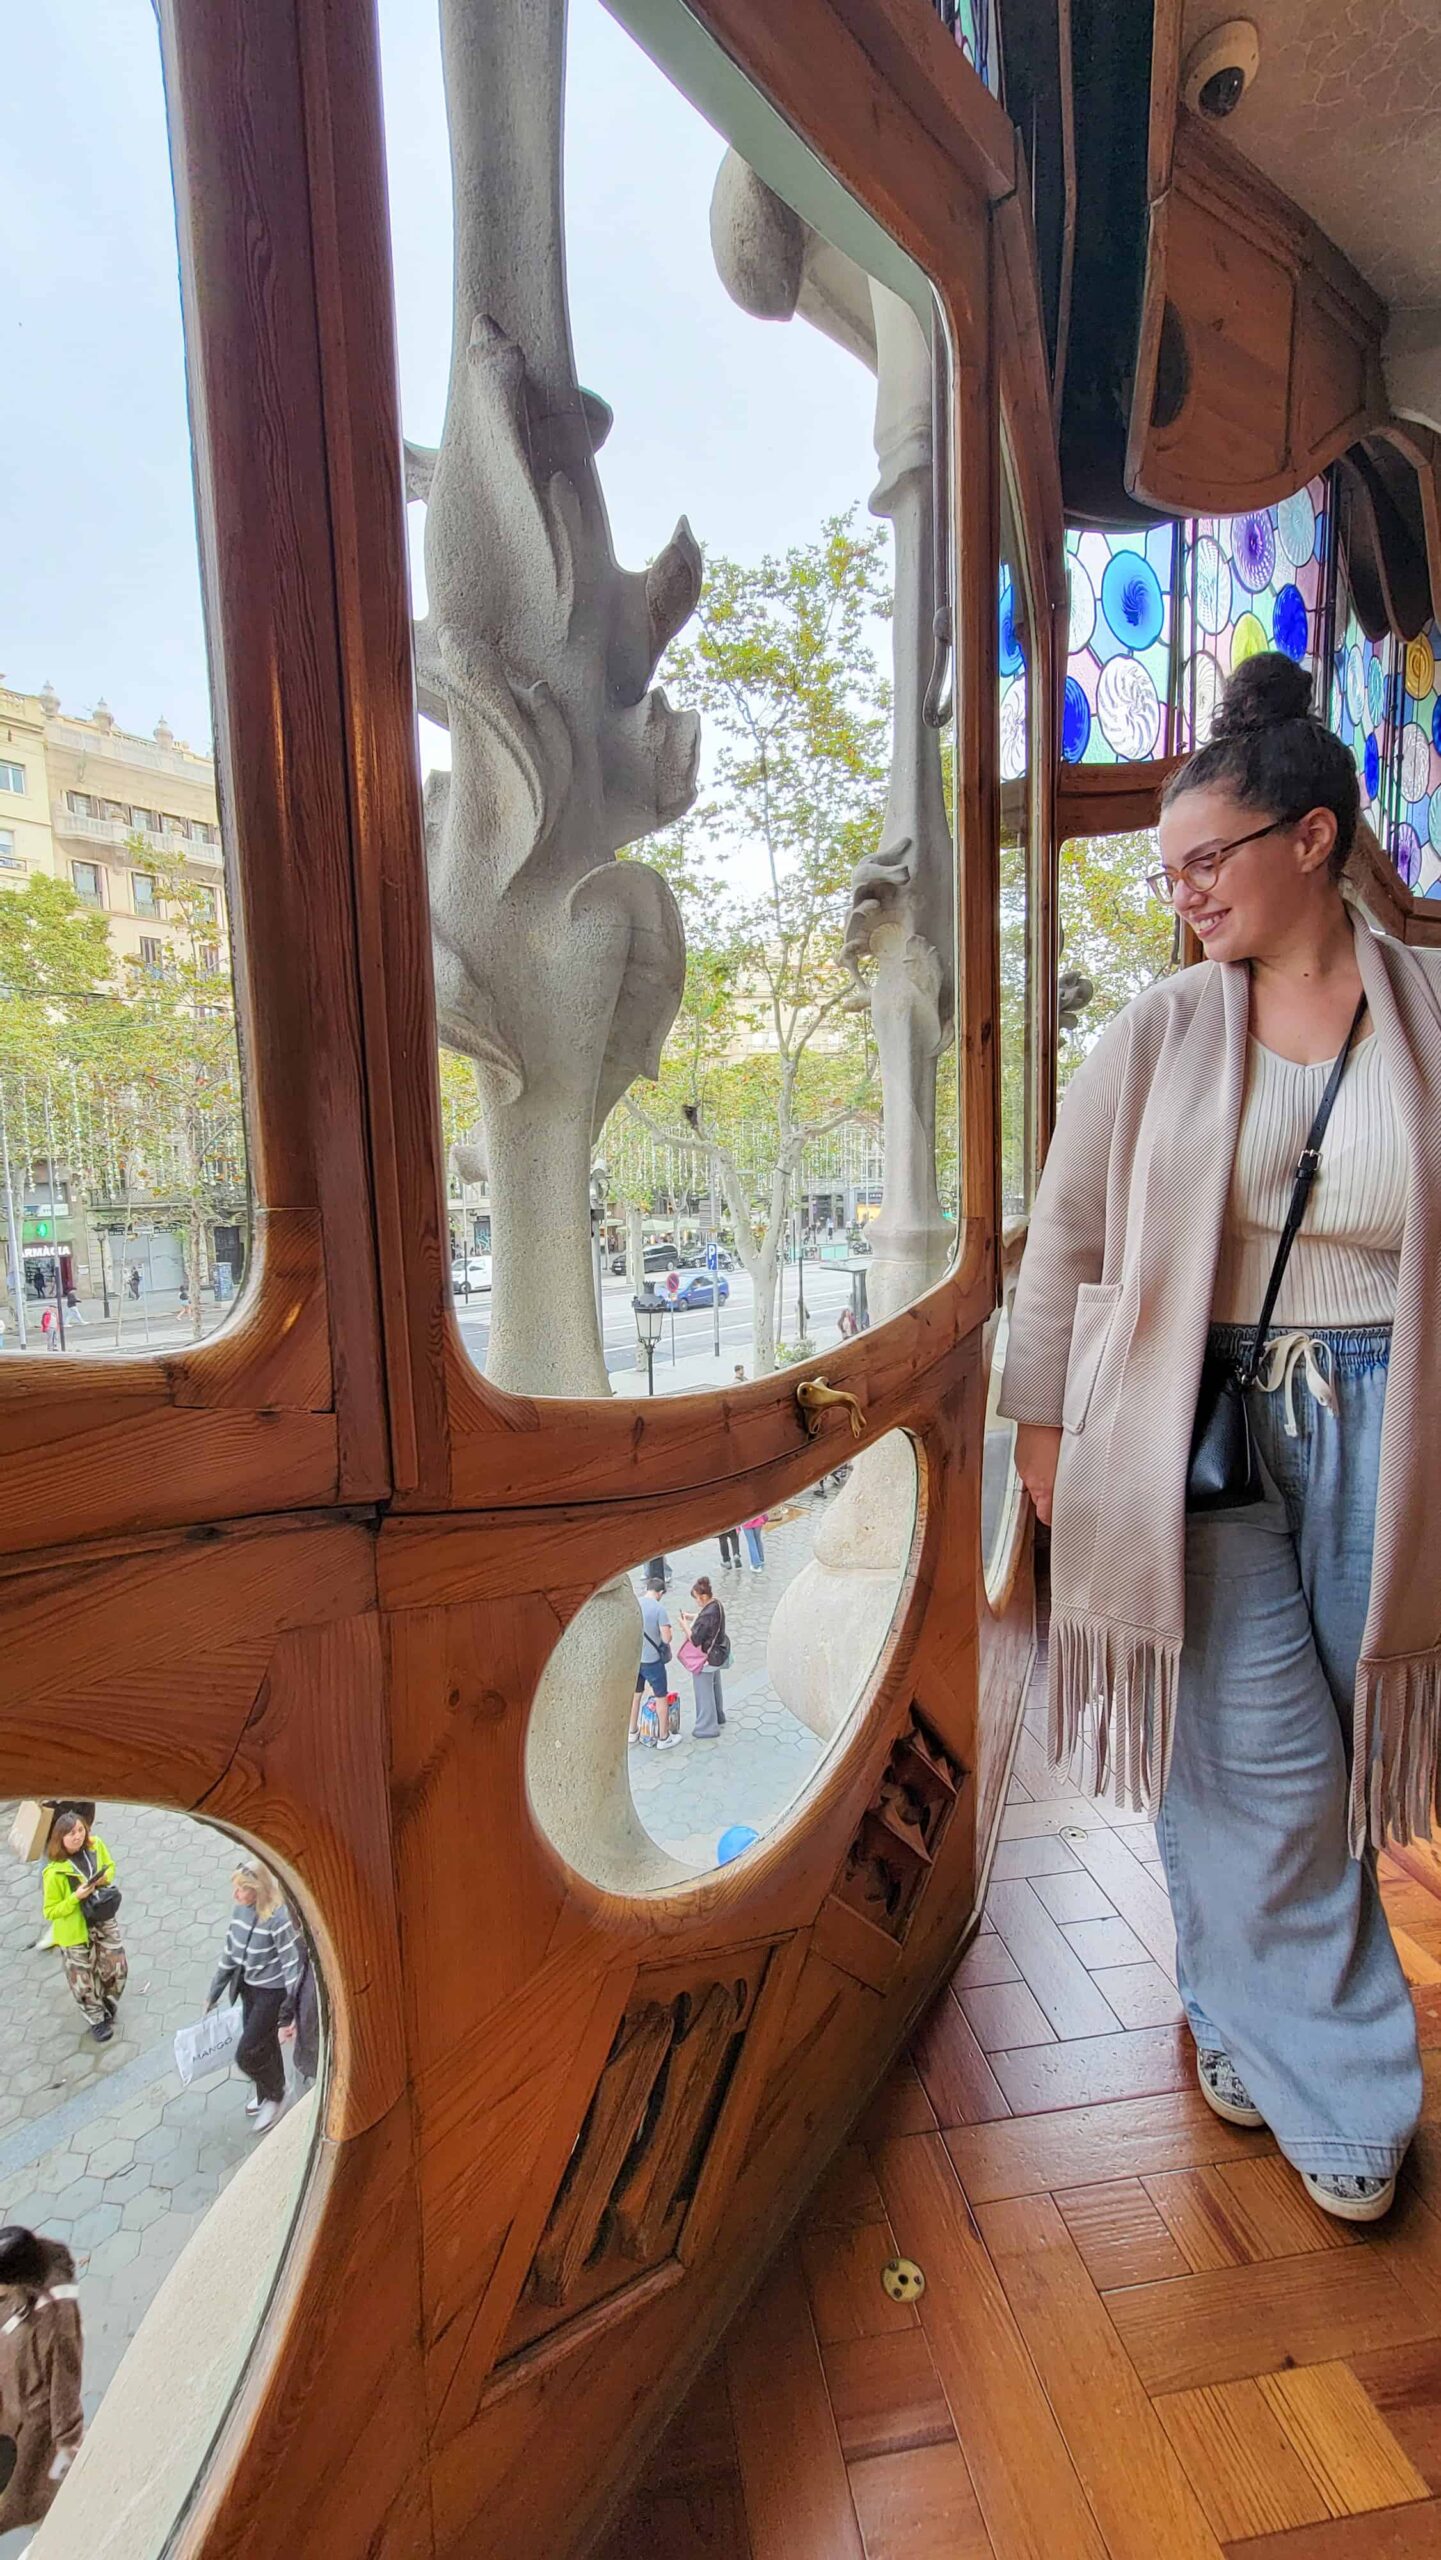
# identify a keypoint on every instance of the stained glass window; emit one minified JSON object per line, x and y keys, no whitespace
{"x":1249,"y":583}
{"x":1118,"y":680}
{"x":1414,"y":835}
{"x":1161,"y":617}
{"x":1365,"y":686}
{"x":1012,"y":656}
{"x":973,"y":24}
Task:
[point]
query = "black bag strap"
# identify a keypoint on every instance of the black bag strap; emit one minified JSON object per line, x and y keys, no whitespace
{"x":1307,"y":1168}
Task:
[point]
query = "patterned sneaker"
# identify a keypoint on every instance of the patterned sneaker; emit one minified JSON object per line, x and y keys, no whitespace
{"x":1223,"y":2088}
{"x":1351,"y":2199}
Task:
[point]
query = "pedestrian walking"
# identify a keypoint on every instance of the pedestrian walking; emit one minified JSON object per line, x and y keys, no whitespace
{"x":706,"y":1653}
{"x":72,"y":1306}
{"x":132,"y":1281}
{"x":655,"y":1708}
{"x":261,"y":1968}
{"x":300,"y":2023}
{"x":846,"y":1325}
{"x":755,"y":1543}
{"x":1243,"y":1599}
{"x":49,"y":1329}
{"x":42,"y":2417}
{"x":81,"y":1902}
{"x":730,"y":1547}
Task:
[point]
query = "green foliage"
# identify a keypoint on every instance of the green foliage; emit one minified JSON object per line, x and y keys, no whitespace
{"x":766,"y":1053}
{"x":459,"y":1099}
{"x":138,"y":1069}
{"x":1114,"y":929}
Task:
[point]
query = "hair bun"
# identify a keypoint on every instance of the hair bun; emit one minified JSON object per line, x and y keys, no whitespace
{"x":1261,"y":692}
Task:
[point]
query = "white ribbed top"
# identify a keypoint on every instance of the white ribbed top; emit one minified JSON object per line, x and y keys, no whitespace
{"x":1344,"y":1262}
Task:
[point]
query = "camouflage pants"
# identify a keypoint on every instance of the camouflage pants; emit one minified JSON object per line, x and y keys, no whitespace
{"x":97,"y":1971}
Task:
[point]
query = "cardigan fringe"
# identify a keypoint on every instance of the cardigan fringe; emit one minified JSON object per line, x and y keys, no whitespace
{"x":1396,"y":1762}
{"x":1113,"y":1706}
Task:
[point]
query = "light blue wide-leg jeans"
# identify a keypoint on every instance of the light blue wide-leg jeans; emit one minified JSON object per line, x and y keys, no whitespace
{"x":1285,"y":1958}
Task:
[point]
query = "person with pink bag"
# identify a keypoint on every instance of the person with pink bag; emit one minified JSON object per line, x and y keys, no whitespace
{"x":705,"y":1654}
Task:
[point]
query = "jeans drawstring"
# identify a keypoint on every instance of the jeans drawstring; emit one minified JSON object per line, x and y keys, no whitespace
{"x":1278,"y":1366}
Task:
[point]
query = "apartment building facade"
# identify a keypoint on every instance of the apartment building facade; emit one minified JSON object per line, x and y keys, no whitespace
{"x":83,"y":800}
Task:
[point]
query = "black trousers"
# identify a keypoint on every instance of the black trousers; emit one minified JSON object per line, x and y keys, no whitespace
{"x":258,"y":2052}
{"x":730,"y":1546}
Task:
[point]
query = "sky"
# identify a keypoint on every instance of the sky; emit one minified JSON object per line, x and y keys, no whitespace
{"x":755,"y":431}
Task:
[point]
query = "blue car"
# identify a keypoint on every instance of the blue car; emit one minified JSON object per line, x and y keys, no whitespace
{"x":692,"y":1288}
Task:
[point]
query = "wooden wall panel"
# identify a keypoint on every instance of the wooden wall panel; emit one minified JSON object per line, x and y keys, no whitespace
{"x":1282,"y":339}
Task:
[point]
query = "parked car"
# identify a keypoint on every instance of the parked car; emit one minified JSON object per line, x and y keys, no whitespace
{"x":471,"y":1275}
{"x":693,"y":1288}
{"x":657,"y":1257}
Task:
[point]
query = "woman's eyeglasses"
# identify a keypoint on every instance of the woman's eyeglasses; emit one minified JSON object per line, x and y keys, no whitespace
{"x":1200,"y":872}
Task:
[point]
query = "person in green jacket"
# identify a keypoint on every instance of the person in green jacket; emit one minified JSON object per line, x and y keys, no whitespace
{"x":79,"y":1872}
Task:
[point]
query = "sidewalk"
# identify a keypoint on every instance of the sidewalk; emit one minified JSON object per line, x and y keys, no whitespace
{"x":764,"y":1756}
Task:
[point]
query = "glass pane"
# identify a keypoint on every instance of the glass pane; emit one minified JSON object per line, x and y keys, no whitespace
{"x":1000,"y":1484}
{"x":1250,"y":583}
{"x":1116,"y":939}
{"x":646,"y":1778}
{"x":125,"y":1212}
{"x":129,"y":2160}
{"x":1017,"y":1063}
{"x":1414,"y":837}
{"x":691,"y":860}
{"x":1118,"y":678}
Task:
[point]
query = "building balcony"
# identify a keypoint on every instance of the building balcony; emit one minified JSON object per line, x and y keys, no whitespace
{"x":120,"y":831}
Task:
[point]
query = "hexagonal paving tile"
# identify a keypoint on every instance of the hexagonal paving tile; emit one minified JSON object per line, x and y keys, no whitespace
{"x":158,"y":2143}
{"x":144,"y":2209}
{"x":110,"y":2155}
{"x":128,"y":2182}
{"x":91,"y":2228}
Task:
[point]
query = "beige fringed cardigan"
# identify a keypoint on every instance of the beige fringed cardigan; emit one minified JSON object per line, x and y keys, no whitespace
{"x":1106,"y":1338}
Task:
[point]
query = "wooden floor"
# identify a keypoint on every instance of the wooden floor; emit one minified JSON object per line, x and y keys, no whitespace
{"x":1138,"y":2338}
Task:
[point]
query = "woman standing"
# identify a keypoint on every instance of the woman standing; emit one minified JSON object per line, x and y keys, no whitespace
{"x":1267,"y":1673}
{"x":41,"y":2416}
{"x":81,"y":1899}
{"x":755,"y":1543}
{"x":707,"y":1653}
{"x":261,"y":1968}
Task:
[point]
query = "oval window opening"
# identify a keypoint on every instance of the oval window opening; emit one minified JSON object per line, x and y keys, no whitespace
{"x":155,"y":2139}
{"x":694,"y":1700}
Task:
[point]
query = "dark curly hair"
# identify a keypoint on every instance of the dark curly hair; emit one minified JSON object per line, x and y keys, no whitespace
{"x":1268,"y":747}
{"x":31,"y":2263}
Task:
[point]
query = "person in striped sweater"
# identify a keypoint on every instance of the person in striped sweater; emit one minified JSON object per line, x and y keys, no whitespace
{"x":261,"y":1967}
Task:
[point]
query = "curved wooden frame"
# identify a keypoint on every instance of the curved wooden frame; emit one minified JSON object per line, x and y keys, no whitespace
{"x":349,"y":1684}
{"x":285,"y":1406}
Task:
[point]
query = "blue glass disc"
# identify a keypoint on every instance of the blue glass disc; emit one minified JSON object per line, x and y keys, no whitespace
{"x":1288,"y":622}
{"x":1131,"y":599}
{"x":1075,"y":722}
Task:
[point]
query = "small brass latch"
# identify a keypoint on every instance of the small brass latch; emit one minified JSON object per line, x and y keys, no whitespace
{"x":902,"y":2279}
{"x":814,"y":1397}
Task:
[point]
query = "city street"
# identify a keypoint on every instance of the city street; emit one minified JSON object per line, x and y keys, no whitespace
{"x":685,"y":1360}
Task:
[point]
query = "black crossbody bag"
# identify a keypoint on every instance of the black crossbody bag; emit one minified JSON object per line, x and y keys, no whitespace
{"x":1224,"y":1472}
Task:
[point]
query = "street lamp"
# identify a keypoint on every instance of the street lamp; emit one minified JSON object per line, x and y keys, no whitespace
{"x":649,"y":1318}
